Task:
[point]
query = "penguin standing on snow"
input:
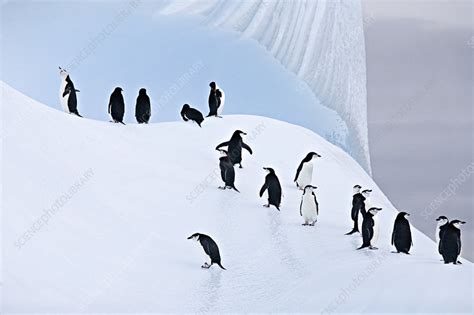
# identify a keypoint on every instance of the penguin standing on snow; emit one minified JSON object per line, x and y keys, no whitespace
{"x":189,"y":113}
{"x":235,"y":145}
{"x":143,"y":107}
{"x":216,"y":98}
{"x":67,"y":93}
{"x":117,"y":106}
{"x":440,"y":230}
{"x":210,"y":248}
{"x":272,"y":184}
{"x":401,"y":235}
{"x":309,"y":207}
{"x":365,"y":205}
{"x":368,"y":228}
{"x":357,"y":204}
{"x":451,"y":242}
{"x":227,"y":171}
{"x":304,"y":173}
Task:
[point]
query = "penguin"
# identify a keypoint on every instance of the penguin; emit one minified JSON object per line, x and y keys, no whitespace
{"x":210,"y":247}
{"x":368,"y":228}
{"x":451,"y":242}
{"x":214,"y":100}
{"x":304,"y":173}
{"x":357,"y":204}
{"x":117,"y":106}
{"x":235,"y":145}
{"x":189,"y":113}
{"x":67,"y":93}
{"x":440,"y":230}
{"x":309,"y":207}
{"x":272,"y":184}
{"x":227,"y":171}
{"x":401,"y":235}
{"x":143,"y":107}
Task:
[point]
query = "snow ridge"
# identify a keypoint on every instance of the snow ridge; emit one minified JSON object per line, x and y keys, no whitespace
{"x":321,"y":42}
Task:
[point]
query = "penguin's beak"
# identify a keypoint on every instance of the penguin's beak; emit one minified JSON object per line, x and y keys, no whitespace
{"x":190,"y":237}
{"x":244,"y":133}
{"x":408,"y":214}
{"x":463,"y":222}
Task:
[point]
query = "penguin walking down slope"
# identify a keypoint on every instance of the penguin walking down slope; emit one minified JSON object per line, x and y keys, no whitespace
{"x":235,"y":145}
{"x":210,"y":248}
{"x":143,"y":107}
{"x":215,"y":100}
{"x":304,"y":173}
{"x":368,"y":228}
{"x":309,"y":207}
{"x":272,"y":184}
{"x":67,"y":93}
{"x":442,"y":224}
{"x":189,"y":113}
{"x":451,"y":242}
{"x":401,"y":235}
{"x":227,"y":171}
{"x":117,"y":106}
{"x":357,"y":204}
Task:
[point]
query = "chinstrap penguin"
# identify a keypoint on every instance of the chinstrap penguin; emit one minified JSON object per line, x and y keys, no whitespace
{"x":235,"y":145}
{"x":304,"y":173}
{"x":272,"y":185}
{"x":227,"y":171}
{"x":451,"y":242}
{"x":309,"y":207}
{"x":210,"y":248}
{"x":117,"y":106}
{"x":189,"y":113}
{"x":368,"y":228}
{"x":401,"y":235}
{"x":357,"y":204}
{"x":67,"y":93}
{"x":143,"y":107}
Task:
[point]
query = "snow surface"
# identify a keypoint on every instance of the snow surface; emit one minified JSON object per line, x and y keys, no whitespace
{"x":322,"y":42}
{"x":123,"y":199}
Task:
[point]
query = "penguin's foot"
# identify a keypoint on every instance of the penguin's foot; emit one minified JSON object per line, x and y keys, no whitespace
{"x":458,"y":263}
{"x":351,"y":232}
{"x":372,"y":247}
{"x":222,"y":187}
{"x":394,"y":252}
{"x":312,"y":224}
{"x":267,"y":206}
{"x":206,"y":266}
{"x":240,"y":165}
{"x":304,"y":224}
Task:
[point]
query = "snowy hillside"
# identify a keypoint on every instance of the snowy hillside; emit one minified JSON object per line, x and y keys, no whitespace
{"x":96,"y":216}
{"x":321,"y":42}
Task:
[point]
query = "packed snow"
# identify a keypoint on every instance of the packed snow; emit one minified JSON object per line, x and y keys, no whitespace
{"x":321,"y":42}
{"x":96,"y":217}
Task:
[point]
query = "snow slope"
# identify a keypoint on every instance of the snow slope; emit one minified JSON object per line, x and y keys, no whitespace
{"x":96,"y":216}
{"x":320,"y":41}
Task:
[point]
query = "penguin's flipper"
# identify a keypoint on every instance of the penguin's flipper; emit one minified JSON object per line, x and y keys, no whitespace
{"x":223,"y":144}
{"x":246,"y":147}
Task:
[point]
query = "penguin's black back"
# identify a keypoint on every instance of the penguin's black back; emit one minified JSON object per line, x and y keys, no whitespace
{"x":358,"y":202}
{"x":442,"y":231}
{"x":72,"y":99}
{"x":227,"y":171}
{"x":117,"y":105}
{"x":235,"y":149}
{"x":213,"y":103}
{"x":143,"y":108}
{"x":210,"y":248}
{"x":451,"y":244}
{"x":401,"y":235}
{"x":274,"y":190}
{"x":367,"y":229}
{"x":193,"y":114}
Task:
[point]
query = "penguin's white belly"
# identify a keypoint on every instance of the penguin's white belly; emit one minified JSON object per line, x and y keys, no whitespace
{"x":221,"y":107}
{"x":63,"y":100}
{"x":437,"y":235}
{"x":308,"y":208}
{"x":306,"y":175}
{"x":359,"y":222}
{"x":376,"y":231}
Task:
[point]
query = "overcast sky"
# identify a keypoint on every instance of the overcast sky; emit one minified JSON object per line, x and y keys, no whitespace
{"x":419,"y":68}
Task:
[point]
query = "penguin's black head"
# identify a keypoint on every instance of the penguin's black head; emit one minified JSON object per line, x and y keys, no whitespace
{"x":238,"y":133}
{"x":442,"y":217}
{"x":366,"y":191}
{"x":457,"y":223}
{"x":312,"y":155}
{"x":212,"y":85}
{"x":195,"y":237}
{"x":63,"y":72}
{"x":223,"y":152}
{"x":403,"y":214}
{"x":118,"y":89}
{"x":309,"y":188}
{"x":142,"y":91}
{"x":269,"y":170}
{"x":357,"y":187}
{"x":186,"y":106}
{"x":374,"y":210}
